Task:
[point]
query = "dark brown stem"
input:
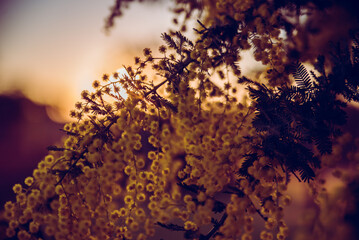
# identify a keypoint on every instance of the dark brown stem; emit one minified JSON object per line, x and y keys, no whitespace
{"x":215,"y":228}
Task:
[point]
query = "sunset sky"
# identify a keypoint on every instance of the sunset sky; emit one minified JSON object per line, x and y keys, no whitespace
{"x":52,"y":50}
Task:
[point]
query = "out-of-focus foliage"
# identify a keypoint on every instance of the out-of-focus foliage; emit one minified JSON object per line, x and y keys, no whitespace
{"x":188,"y":153}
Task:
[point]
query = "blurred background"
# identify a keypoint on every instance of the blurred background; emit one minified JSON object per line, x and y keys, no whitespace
{"x":49,"y":52}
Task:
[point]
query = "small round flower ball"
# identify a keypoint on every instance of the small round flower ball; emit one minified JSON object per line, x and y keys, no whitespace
{"x":29,"y":181}
{"x":17,"y":188}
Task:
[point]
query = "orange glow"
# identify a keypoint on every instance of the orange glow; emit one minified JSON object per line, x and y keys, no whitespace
{"x":54,"y":50}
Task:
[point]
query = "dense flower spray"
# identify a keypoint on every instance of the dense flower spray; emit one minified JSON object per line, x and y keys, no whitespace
{"x":188,"y":153}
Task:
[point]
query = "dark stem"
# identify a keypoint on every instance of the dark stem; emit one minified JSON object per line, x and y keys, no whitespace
{"x":215,"y":228}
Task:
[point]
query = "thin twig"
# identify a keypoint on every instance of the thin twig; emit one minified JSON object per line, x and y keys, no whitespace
{"x":215,"y":228}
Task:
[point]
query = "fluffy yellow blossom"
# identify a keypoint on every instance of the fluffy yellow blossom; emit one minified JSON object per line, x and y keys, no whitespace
{"x":187,"y":150}
{"x":188,"y":225}
{"x":17,"y":188}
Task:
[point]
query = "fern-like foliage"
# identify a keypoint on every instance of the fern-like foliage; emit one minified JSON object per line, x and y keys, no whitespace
{"x":179,"y":42}
{"x":302,"y":77}
{"x":171,"y":226}
{"x":249,"y":159}
{"x":344,"y":78}
{"x":293,"y":122}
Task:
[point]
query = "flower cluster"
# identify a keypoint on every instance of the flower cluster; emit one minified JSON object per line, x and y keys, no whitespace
{"x":129,"y":165}
{"x":184,"y":153}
